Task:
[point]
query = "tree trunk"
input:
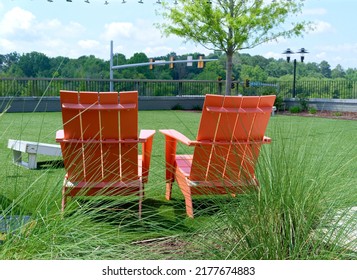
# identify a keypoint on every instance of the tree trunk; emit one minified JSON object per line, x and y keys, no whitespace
{"x":229,"y":71}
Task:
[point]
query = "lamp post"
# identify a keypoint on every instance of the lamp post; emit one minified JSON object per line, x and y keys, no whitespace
{"x":288,"y":54}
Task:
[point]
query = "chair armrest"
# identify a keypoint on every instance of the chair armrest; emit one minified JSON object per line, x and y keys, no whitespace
{"x":146,"y":138}
{"x":171,"y":138}
{"x":145,"y":134}
{"x":172,"y":133}
{"x":59,"y":135}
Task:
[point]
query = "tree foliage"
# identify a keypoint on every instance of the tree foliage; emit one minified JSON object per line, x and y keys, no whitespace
{"x":311,"y":76}
{"x":245,"y":66}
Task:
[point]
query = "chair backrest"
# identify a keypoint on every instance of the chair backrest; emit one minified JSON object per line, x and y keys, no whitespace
{"x":100,"y":142}
{"x":230,"y":134}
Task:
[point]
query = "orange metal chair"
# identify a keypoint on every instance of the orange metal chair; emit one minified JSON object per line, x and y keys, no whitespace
{"x":99,"y":144}
{"x":226,"y":149}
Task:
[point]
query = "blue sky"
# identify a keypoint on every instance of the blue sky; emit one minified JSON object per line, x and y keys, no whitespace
{"x":74,"y":29}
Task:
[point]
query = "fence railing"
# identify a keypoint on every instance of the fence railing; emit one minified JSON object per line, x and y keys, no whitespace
{"x":342,"y":89}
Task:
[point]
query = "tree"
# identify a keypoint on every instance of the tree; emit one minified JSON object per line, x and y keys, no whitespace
{"x":7,"y":60}
{"x":35,"y":64}
{"x":231,"y":25}
{"x":338,"y":72}
{"x":254,"y":73}
{"x":325,"y":69}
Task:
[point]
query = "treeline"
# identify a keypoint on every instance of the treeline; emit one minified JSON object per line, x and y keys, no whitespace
{"x":255,"y":68}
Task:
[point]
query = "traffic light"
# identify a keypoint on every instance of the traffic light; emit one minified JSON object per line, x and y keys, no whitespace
{"x":246,"y":83}
{"x":232,"y":84}
{"x":171,"y":65}
{"x":200,"y":63}
{"x":151,"y":66}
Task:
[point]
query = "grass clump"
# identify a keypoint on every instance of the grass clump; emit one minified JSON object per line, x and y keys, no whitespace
{"x":303,"y":187}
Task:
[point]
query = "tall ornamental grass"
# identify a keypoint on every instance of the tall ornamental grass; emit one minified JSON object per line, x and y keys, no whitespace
{"x":305,"y":206}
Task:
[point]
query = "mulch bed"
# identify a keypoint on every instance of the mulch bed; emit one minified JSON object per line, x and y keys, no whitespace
{"x":325,"y":114}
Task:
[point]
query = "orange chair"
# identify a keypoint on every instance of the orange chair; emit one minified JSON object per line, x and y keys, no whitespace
{"x":226,"y":149}
{"x":99,"y":144}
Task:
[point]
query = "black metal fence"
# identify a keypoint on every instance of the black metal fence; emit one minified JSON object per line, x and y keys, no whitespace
{"x":330,"y":89}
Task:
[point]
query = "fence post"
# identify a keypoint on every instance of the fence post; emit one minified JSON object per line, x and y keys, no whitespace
{"x":180,"y":88}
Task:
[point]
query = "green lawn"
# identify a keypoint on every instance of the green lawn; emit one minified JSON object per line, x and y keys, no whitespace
{"x":307,"y":175}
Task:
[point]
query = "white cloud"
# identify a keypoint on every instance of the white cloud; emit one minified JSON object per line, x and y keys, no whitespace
{"x":341,"y":48}
{"x":272,"y":55}
{"x":118,"y":30}
{"x":20,"y":30}
{"x":338,"y":59}
{"x":321,"y":55}
{"x":321,"y":27}
{"x":6,"y":44}
{"x":73,"y":29}
{"x":16,"y":20}
{"x":157,"y":51}
{"x":88,"y":44}
{"x":139,"y":36}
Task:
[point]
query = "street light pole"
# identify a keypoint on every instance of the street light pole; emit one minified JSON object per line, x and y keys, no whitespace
{"x":288,"y":54}
{"x":294,"y":80}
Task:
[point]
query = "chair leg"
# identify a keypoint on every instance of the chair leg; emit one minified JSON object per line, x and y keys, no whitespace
{"x":168,"y":190}
{"x":189,"y":206}
{"x":141,"y":197}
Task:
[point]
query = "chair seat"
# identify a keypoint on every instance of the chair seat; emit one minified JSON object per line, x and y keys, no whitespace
{"x":103,"y":188}
{"x":115,"y":187}
{"x":184,"y":163}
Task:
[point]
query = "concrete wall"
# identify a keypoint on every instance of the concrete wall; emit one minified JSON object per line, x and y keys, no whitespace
{"x":52,"y":104}
{"x":30,"y":104}
{"x":336,"y":105}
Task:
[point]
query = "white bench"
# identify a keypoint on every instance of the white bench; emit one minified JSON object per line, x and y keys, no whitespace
{"x":32,"y":149}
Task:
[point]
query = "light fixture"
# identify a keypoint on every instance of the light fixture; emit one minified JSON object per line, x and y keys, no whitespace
{"x":302,"y":53}
{"x":140,"y":2}
{"x":288,"y":54}
{"x":87,"y":1}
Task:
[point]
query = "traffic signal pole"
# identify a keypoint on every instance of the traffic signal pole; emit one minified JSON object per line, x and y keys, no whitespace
{"x":124,"y":66}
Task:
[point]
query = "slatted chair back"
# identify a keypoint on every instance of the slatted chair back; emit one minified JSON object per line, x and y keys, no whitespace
{"x":100,"y":141}
{"x":229,"y":137}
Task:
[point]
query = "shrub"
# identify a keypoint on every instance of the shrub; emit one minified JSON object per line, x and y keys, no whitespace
{"x":337,"y":114}
{"x":304,"y":102}
{"x":279,"y":103}
{"x":177,"y":107}
{"x":295,"y":109}
{"x":197,"y":108}
{"x":312,"y":110}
